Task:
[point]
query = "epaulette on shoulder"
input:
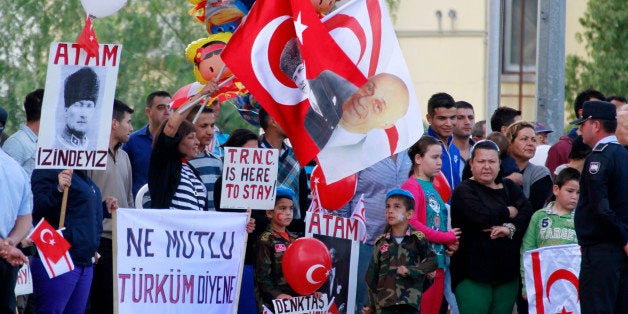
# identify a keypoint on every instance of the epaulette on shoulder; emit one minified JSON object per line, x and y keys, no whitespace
{"x":600,"y":147}
{"x":418,"y":234}
{"x":380,"y":237}
{"x":265,"y":236}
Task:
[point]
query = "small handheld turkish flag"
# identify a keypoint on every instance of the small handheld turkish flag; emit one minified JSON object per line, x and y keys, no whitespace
{"x":87,"y":40}
{"x":49,"y":241}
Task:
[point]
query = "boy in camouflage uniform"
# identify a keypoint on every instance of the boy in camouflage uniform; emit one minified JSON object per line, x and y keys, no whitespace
{"x":401,"y":259}
{"x":270,"y":283}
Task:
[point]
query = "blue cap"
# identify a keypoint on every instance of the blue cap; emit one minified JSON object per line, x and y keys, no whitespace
{"x":402,"y":192}
{"x":285,"y":193}
{"x":541,"y":128}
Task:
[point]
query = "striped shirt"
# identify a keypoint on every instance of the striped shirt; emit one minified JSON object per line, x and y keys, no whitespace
{"x":209,"y":168}
{"x":191,"y":193}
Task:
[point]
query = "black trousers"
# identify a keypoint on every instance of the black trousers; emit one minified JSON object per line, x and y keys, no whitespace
{"x":8,"y":278}
{"x":603,"y":279}
{"x":101,"y":293}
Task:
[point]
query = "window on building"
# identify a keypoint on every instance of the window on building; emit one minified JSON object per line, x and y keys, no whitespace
{"x":513,"y":35}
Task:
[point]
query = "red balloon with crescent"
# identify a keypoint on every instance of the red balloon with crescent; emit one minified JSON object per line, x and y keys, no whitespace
{"x":306,"y":265}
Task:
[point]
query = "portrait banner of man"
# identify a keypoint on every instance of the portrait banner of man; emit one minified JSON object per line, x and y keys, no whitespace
{"x":339,"y":87}
{"x":340,"y":236}
{"x":77,"y":107}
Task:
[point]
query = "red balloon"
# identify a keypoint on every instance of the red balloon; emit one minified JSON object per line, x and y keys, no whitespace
{"x":306,"y":265}
{"x":334,"y":195}
{"x":184,"y":94}
{"x":442,"y":186}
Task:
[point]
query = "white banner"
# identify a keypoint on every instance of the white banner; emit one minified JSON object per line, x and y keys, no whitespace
{"x":24,"y":284}
{"x":341,"y":236}
{"x":551,"y":276}
{"x":77,"y":106}
{"x":301,"y":305}
{"x":249,"y":177}
{"x":178,"y":261}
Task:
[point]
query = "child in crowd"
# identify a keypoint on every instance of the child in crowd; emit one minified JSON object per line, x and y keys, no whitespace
{"x":431,"y":217}
{"x":270,"y":282}
{"x":401,"y":259}
{"x":554,"y":225}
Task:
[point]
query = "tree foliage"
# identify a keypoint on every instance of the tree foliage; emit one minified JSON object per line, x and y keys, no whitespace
{"x":154,"y":35}
{"x":605,"y":39}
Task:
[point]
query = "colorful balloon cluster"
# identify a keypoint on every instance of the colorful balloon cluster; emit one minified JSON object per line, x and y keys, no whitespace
{"x":221,"y":18}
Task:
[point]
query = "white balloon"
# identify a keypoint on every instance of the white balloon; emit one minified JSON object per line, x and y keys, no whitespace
{"x":102,"y":8}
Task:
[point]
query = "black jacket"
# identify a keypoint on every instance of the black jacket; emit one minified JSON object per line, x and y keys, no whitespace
{"x":474,"y":208}
{"x":84,"y":211}
{"x":164,"y":170}
{"x":602,"y":212}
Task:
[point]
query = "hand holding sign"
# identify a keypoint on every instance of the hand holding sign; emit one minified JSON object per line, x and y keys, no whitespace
{"x":306,"y":265}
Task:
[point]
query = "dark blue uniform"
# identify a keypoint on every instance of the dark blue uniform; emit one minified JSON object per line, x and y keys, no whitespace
{"x":601,"y":221}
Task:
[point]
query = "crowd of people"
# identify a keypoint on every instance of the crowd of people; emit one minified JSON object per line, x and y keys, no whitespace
{"x":423,"y":251}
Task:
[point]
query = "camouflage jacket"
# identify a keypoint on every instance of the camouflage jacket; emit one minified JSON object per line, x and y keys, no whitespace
{"x":269,"y":279}
{"x":386,"y":287}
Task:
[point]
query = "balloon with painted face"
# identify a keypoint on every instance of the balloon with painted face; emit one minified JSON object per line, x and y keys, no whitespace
{"x":306,"y":265}
{"x":205,"y":55}
{"x":219,"y":16}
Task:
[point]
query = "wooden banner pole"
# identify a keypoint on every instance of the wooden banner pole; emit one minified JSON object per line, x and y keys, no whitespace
{"x":64,"y":204}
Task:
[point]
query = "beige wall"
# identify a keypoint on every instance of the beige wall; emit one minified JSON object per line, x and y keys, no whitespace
{"x":453,"y":58}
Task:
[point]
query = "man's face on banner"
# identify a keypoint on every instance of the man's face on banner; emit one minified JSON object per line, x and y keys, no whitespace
{"x":299,"y":78}
{"x":376,"y":105}
{"x":79,"y":115}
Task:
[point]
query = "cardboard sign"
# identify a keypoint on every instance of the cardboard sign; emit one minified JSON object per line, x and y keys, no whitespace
{"x":301,"y":305}
{"x":249,"y":178}
{"x":341,"y":236}
{"x":178,"y":261}
{"x":24,"y":284}
{"x":77,"y":107}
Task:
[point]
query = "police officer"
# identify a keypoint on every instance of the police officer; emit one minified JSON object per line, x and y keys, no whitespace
{"x":601,"y":218}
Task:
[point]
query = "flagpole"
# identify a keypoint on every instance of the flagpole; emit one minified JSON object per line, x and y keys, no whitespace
{"x":114,"y":257}
{"x":221,"y":84}
{"x":64,"y":203}
{"x":241,"y":268}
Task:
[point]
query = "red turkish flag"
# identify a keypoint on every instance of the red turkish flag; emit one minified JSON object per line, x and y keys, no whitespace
{"x":87,"y":40}
{"x":49,"y":241}
{"x":256,"y":54}
{"x":253,"y":54}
